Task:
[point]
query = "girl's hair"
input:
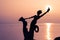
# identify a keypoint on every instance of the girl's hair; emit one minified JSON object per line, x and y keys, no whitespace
{"x":39,"y":12}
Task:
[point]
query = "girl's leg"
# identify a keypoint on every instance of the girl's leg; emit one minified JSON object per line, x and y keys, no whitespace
{"x":36,"y":28}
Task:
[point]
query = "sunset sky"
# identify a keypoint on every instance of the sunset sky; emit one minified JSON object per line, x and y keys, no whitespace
{"x":12,"y":10}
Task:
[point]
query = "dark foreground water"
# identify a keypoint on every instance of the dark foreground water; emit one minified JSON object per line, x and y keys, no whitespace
{"x":47,"y":31}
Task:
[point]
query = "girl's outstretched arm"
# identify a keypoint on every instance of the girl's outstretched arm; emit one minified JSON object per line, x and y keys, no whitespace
{"x":45,"y":12}
{"x":29,"y":17}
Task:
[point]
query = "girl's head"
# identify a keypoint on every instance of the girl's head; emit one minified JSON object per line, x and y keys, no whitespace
{"x":39,"y":12}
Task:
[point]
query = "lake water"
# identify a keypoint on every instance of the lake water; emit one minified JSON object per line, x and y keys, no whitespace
{"x":47,"y":31}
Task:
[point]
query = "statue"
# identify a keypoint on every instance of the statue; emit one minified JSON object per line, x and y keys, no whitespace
{"x":30,"y":35}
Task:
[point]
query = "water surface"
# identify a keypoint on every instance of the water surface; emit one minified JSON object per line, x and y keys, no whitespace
{"x":47,"y":31}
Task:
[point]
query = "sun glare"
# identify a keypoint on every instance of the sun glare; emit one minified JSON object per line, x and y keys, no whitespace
{"x":48,"y":6}
{"x":48,"y":30}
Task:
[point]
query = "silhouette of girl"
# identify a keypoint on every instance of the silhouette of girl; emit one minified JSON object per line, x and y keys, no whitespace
{"x":29,"y":35}
{"x":33,"y":25}
{"x":36,"y":17}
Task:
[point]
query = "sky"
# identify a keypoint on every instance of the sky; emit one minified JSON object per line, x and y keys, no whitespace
{"x":12,"y":10}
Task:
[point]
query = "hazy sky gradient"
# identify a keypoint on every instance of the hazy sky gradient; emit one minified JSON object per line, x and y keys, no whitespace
{"x":12,"y":10}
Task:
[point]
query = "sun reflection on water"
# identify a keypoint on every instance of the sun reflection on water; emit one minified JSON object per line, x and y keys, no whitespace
{"x":48,"y":31}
